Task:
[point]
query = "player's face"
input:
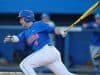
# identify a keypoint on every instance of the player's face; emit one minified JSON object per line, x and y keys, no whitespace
{"x":45,"y":19}
{"x":22,"y":22}
{"x":98,"y":20}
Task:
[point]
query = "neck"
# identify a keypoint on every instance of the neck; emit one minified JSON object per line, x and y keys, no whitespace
{"x":29,"y":24}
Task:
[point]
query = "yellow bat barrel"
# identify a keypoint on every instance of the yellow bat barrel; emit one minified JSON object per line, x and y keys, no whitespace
{"x":87,"y":13}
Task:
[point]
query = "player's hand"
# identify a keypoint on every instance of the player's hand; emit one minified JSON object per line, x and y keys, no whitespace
{"x":60,"y":32}
{"x":7,"y":39}
{"x":11,"y":39}
{"x":63,"y":34}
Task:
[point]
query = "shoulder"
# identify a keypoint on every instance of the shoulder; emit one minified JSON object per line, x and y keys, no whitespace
{"x":39,"y":24}
{"x":51,"y":23}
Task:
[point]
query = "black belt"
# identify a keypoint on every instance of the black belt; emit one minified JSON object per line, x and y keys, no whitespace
{"x":50,"y":44}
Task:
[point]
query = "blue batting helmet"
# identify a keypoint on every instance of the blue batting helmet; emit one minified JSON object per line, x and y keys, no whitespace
{"x":27,"y":14}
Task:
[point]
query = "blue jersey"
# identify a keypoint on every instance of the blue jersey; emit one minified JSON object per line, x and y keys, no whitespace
{"x":37,"y":35}
{"x":95,"y":37}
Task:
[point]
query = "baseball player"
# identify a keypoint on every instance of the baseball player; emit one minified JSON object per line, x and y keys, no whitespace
{"x":95,"y":41}
{"x":37,"y":36}
{"x":46,"y":18}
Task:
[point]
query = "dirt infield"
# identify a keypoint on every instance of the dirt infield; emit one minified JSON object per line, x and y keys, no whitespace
{"x":17,"y":73}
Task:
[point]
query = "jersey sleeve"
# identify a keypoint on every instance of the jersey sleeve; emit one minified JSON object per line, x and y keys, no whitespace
{"x":21,"y":36}
{"x":46,"y":27}
{"x":50,"y":29}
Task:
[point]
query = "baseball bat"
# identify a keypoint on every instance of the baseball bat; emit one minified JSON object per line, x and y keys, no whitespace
{"x":87,"y":13}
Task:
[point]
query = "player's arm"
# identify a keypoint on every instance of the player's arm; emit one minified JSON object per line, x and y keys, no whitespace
{"x":57,"y":31}
{"x":41,"y":27}
{"x":14,"y":38}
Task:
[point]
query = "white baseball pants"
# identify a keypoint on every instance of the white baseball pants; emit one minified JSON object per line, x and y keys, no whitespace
{"x":48,"y":56}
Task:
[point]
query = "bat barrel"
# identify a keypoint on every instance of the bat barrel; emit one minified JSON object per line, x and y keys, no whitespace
{"x":87,"y":13}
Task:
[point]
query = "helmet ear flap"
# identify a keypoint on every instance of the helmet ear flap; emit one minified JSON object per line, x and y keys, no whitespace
{"x":28,"y":19}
